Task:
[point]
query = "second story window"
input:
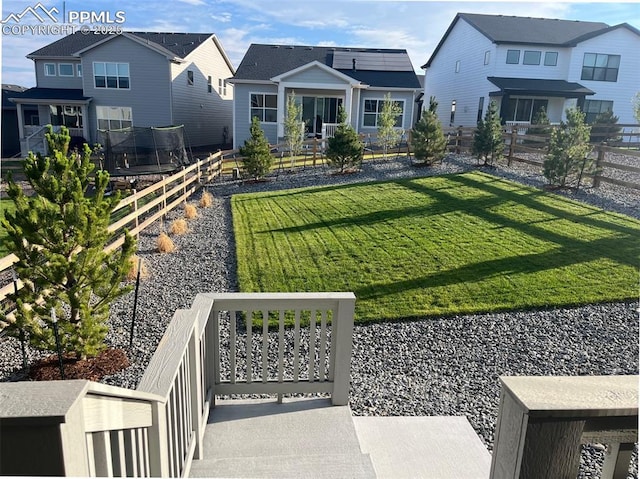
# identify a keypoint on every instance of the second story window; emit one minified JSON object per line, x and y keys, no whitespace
{"x":600,"y":67}
{"x":531,"y":57}
{"x":550,"y":59}
{"x":111,"y":75}
{"x":65,"y":69}
{"x":513,"y":57}
{"x":487,"y":57}
{"x":209,"y":84}
{"x":50,"y":69}
{"x":220,"y":86}
{"x":189,"y":77}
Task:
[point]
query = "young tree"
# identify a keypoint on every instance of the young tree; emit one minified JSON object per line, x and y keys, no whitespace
{"x":388,"y":134}
{"x":488,"y":142}
{"x":427,"y":138}
{"x":636,"y":106}
{"x":256,"y":152}
{"x":344,"y":149}
{"x":293,"y":126}
{"x":59,"y":235}
{"x":541,"y":124}
{"x":568,"y":150}
{"x":605,"y":128}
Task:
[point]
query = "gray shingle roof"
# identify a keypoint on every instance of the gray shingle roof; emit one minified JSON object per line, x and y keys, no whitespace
{"x":180,"y":44}
{"x":529,"y":31}
{"x":537,"y":86}
{"x":36,"y":93}
{"x":263,"y":62}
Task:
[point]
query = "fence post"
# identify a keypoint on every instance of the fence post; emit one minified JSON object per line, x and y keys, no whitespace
{"x":512,"y":146}
{"x":135,"y":210}
{"x":164,"y":196}
{"x":600,"y":159}
{"x":184,"y":184}
{"x":459,"y":140}
{"x":315,"y":150}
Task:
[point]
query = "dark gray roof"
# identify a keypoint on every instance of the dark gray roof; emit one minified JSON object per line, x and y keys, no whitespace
{"x":536,"y":86}
{"x":64,"y":94}
{"x":530,"y":31}
{"x":10,"y":91}
{"x":180,"y":44}
{"x":263,"y":62}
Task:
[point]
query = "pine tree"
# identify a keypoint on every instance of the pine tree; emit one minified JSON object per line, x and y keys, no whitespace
{"x":488,"y":142}
{"x":293,"y":126}
{"x":568,"y":150}
{"x":388,"y":134}
{"x":542,"y":125}
{"x":59,"y":235}
{"x":344,"y":149}
{"x":256,"y":152}
{"x":427,"y":138}
{"x":605,"y":128}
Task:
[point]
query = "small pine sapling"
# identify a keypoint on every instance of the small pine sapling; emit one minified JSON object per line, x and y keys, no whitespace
{"x":344,"y":149}
{"x":488,"y":142}
{"x":293,"y":126}
{"x":256,"y":152}
{"x":389,"y":133}
{"x":427,"y":138}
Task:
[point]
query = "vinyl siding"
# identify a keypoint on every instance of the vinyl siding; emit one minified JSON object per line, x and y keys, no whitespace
{"x":242,"y":116}
{"x":617,"y":42}
{"x":558,"y":72}
{"x":149,"y":95}
{"x":43,"y":81}
{"x":468,"y":46}
{"x":204,"y":114}
{"x":314,"y":75}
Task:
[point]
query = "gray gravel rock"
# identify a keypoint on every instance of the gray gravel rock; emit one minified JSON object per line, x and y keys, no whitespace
{"x":446,"y":366}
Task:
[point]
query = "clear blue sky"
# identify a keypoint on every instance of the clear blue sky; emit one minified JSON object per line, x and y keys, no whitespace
{"x":414,"y":25}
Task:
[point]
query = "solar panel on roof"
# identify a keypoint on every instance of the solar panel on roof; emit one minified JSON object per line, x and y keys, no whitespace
{"x":374,"y":61}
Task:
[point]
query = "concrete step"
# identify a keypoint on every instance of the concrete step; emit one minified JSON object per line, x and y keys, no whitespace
{"x":298,"y":438}
{"x":356,"y":466}
{"x":423,"y":447}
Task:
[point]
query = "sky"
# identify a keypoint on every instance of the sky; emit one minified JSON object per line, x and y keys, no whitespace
{"x":415,"y":25}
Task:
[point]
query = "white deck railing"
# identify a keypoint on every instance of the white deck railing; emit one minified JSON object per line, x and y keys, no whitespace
{"x":543,"y":421}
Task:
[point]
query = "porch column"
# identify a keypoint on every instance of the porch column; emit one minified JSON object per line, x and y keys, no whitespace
{"x":85,"y":123}
{"x":348,"y":100}
{"x":281,"y":107}
{"x":20,"y":121}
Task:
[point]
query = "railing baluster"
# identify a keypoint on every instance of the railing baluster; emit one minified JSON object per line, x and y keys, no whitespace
{"x":233,"y":318}
{"x":322,"y":370}
{"x":332,"y":352}
{"x":102,"y":445}
{"x":265,"y":346}
{"x":171,"y":433}
{"x":312,"y":345}
{"x":91,"y":455}
{"x":249,"y":348}
{"x":215,"y":342}
{"x":281,"y":346}
{"x":296,"y":346}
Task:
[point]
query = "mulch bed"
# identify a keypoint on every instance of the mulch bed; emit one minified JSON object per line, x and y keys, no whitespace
{"x":107,"y":362}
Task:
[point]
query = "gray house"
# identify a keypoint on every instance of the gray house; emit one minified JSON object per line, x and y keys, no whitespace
{"x":323,"y":79}
{"x":142,"y":79}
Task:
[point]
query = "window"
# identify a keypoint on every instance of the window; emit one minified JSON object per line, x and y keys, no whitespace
{"x":524,"y":109}
{"x":513,"y":57}
{"x":220,"y":86}
{"x":111,"y":75}
{"x":67,"y":115}
{"x":372,"y":109}
{"x":224,"y":88}
{"x":79,"y":69}
{"x":209,"y":84}
{"x":592,"y":108}
{"x":458,"y":66}
{"x":265,"y":107}
{"x":531,"y":57}
{"x":113,"y":117}
{"x":65,"y":69}
{"x":452,"y":119}
{"x":487,"y":57}
{"x":550,"y":59}
{"x":50,"y":69}
{"x":480,"y":108}
{"x":189,"y":77}
{"x":600,"y":67}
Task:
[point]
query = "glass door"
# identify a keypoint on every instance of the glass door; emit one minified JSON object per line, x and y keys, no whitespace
{"x":319,"y":110}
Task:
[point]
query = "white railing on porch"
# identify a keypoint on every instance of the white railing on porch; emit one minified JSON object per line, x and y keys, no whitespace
{"x":329,"y":130}
{"x":543,"y":421}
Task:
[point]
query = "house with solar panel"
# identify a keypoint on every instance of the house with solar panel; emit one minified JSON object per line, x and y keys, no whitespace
{"x":323,"y":79}
{"x":133,"y":79}
{"x":524,"y":64}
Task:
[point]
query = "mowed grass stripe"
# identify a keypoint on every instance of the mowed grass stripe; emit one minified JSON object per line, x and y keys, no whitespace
{"x":436,"y":246}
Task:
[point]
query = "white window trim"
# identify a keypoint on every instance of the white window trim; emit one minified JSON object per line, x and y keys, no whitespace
{"x":46,"y":73}
{"x":79,"y":70}
{"x":106,"y":87}
{"x":72,"y":70}
{"x":399,"y":100}
{"x":264,"y":94}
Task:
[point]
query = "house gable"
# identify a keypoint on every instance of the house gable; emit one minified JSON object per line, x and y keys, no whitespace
{"x":315,"y":73}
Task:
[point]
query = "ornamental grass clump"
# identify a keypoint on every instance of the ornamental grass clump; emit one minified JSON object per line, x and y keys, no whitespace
{"x":206,"y":200}
{"x":179,"y":227}
{"x":190,"y":211}
{"x":165,"y":244}
{"x":132,"y":275}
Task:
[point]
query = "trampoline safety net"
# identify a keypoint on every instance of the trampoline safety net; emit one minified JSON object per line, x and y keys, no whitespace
{"x":140,"y":150}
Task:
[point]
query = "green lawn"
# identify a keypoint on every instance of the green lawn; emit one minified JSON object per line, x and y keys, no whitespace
{"x":436,"y":246}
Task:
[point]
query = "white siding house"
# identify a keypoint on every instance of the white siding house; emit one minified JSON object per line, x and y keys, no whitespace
{"x":524,"y":64}
{"x":133,"y":79}
{"x":323,"y":79}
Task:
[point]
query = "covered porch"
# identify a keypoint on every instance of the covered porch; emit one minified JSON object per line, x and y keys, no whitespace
{"x":57,"y":107}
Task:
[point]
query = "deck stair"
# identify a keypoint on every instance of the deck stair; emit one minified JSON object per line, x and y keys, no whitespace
{"x":310,"y":438}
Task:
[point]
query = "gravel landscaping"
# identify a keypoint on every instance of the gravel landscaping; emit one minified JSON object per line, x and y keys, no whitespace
{"x":447,"y":366}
